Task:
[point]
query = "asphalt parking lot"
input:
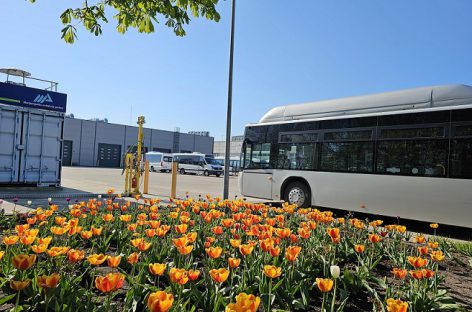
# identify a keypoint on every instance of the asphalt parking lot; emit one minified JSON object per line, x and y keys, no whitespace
{"x":99,"y":180}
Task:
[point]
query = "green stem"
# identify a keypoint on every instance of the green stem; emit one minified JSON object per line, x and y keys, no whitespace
{"x":46,"y":301}
{"x":333,"y":303}
{"x":270,"y":291}
{"x":17,"y":301}
{"x":323,"y":302}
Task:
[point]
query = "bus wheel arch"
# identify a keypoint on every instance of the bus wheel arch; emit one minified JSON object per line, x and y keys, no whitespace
{"x":298,"y":187}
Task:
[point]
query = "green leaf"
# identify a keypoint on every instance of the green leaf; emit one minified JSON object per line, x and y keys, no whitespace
{"x":7,"y":298}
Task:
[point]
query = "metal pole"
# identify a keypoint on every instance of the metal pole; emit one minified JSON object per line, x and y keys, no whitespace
{"x":230,"y":100}
{"x":173,"y":183}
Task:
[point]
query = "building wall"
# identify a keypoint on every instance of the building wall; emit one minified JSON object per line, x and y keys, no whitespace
{"x":86,"y":135}
{"x":236,"y":144}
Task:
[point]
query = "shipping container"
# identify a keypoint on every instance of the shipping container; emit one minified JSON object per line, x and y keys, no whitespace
{"x":30,"y":146}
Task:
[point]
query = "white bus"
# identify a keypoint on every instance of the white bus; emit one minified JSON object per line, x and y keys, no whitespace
{"x":406,"y":153}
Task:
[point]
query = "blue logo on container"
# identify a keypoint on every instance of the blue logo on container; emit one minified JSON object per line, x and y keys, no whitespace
{"x":43,"y":98}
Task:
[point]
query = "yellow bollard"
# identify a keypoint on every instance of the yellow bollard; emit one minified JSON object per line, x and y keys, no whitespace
{"x":127,"y":174}
{"x":146,"y":177}
{"x":173,"y":183}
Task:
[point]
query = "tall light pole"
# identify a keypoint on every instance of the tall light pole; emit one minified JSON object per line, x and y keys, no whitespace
{"x":230,"y":102}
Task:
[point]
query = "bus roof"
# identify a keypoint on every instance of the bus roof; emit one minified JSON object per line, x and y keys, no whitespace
{"x":417,"y":98}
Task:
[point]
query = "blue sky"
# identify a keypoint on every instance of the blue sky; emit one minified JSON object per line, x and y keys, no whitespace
{"x":285,"y":52}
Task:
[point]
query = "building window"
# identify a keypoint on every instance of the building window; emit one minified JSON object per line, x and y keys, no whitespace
{"x":433,"y":132}
{"x":347,"y":156}
{"x":412,"y":157}
{"x":297,"y":156}
{"x":461,"y":158}
{"x":348,"y":135}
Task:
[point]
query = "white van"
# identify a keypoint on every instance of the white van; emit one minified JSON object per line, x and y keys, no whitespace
{"x":159,"y":161}
{"x":197,"y":163}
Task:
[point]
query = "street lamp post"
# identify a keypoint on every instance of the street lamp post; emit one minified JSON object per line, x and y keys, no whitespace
{"x":230,"y":100}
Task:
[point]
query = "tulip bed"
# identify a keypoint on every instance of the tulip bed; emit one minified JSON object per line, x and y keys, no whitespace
{"x":208,"y":254}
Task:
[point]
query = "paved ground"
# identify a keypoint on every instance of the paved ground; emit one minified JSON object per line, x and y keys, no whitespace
{"x":99,"y":180}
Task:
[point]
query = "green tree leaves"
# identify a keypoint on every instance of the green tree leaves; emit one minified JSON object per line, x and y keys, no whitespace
{"x":139,"y":14}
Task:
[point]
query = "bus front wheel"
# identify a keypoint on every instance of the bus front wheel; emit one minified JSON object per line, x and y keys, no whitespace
{"x":298,"y":193}
{"x":182,"y":171}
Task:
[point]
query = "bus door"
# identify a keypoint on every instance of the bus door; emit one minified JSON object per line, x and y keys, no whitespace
{"x":257,"y":179}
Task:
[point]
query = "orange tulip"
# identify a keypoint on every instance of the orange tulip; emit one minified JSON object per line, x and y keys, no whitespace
{"x":39,"y":248}
{"x":75,"y":256}
{"x":48,"y":281}
{"x":416,"y":274}
{"x":219,"y":275}
{"x":19,"y":285}
{"x":427,"y":273}
{"x":193,"y":274}
{"x":283,"y":233}
{"x":97,"y":259}
{"x":181,"y":228}
{"x":57,"y":251}
{"x":185,"y":250}
{"x":235,"y":242}
{"x":125,"y":218}
{"x":86,"y":234}
{"x":433,"y":245}
{"x":274,"y":251}
{"x":180,"y":242}
{"x":417,"y":262}
{"x":234,"y":262}
{"x":27,"y":240}
{"x":244,"y":302}
{"x":399,"y":273}
{"x":113,"y":262}
{"x":133,"y":258}
{"x":333,"y":232}
{"x":423,"y":250}
{"x":179,"y":276}
{"x":359,"y":248}
{"x":374,"y":238}
{"x":324,"y":284}
{"x":10,"y":240}
{"x":192,"y":237}
{"x":44,"y":241}
{"x":400,"y":228}
{"x":420,"y":239}
{"x":272,"y":271}
{"x":23,"y":262}
{"x":21,"y":228}
{"x":110,"y":282}
{"x":214,"y":252}
{"x":396,"y":305}
{"x":291,"y":253}
{"x":160,"y":301}
{"x":434,"y":225}
{"x":437,"y":255}
{"x":245,"y":249}
{"x":227,"y":222}
{"x":157,"y":268}
{"x":57,"y":230}
{"x":59,"y":220}
{"x":2,"y":253}
{"x":108,"y":217}
{"x":217,"y":230}
{"x":143,"y":246}
{"x":97,"y":231}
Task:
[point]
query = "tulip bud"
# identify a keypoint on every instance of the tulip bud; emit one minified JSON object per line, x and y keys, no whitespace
{"x":335,"y":271}
{"x":29,"y":202}
{"x":99,"y":196}
{"x":49,"y":199}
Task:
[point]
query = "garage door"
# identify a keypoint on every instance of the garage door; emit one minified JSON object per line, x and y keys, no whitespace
{"x":109,"y":155}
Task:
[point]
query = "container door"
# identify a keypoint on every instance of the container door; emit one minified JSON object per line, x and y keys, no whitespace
{"x":67,"y":153}
{"x":41,"y":160}
{"x":109,"y":155}
{"x":10,"y":132}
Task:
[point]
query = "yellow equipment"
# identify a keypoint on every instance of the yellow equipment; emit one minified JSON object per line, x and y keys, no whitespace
{"x":133,"y":169}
